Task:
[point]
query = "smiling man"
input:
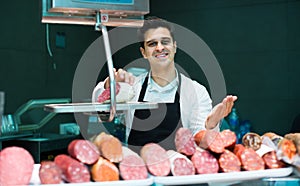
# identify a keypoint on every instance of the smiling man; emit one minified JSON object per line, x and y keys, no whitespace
{"x":183,"y":102}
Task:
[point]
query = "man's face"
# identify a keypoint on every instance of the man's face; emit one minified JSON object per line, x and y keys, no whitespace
{"x":159,"y":48}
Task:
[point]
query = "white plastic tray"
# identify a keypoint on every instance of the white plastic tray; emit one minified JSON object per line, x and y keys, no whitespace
{"x":223,"y":177}
{"x":35,"y":180}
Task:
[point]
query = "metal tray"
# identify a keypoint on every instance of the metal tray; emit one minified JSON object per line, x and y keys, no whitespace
{"x":95,"y":107}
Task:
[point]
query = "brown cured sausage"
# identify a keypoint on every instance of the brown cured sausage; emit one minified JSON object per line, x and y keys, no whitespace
{"x":295,"y":138}
{"x":184,"y":141}
{"x":229,"y":139}
{"x":252,"y":140}
{"x":109,"y":146}
{"x":73,"y":170}
{"x":180,"y":164}
{"x":84,"y":151}
{"x":156,"y":159}
{"x":50,"y":173}
{"x":204,"y":162}
{"x":271,"y":161}
{"x":104,"y":170}
{"x":211,"y":140}
{"x":249,"y":159}
{"x":133,"y":167}
{"x":16,"y":166}
{"x":229,"y":162}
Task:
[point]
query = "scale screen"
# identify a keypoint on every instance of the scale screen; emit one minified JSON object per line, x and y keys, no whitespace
{"x":119,"y":2}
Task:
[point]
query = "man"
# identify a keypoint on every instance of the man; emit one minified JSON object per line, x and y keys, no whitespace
{"x":183,"y":102}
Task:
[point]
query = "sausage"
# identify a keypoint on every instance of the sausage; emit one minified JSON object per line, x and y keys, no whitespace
{"x":249,"y":159}
{"x":50,"y":173}
{"x":229,"y":162}
{"x":184,"y":141}
{"x":180,"y":164}
{"x":204,"y":162}
{"x":133,"y":167}
{"x":104,"y":170}
{"x":271,"y":161}
{"x":73,"y":171}
{"x":210,"y":139}
{"x":252,"y":140}
{"x":156,"y":159}
{"x":84,"y":151}
{"x":229,"y":138}
{"x":16,"y":166}
{"x":295,"y":138}
{"x":109,"y":146}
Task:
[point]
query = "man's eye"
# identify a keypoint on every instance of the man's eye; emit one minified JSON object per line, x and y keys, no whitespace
{"x":152,"y":44}
{"x":165,"y":42}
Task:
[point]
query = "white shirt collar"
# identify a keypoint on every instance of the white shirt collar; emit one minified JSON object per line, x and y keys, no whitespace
{"x":152,"y":86}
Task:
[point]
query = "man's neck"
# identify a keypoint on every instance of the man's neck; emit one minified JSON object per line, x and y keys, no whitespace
{"x":163,"y":77}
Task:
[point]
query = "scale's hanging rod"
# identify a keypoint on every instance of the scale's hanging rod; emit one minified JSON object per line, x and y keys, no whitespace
{"x":98,"y":27}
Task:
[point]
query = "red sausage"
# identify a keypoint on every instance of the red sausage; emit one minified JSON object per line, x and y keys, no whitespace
{"x":180,"y":164}
{"x":16,"y":166}
{"x":204,"y":162}
{"x":105,"y":95}
{"x":73,"y":170}
{"x":50,"y":173}
{"x":156,"y":159}
{"x":271,"y":161}
{"x":133,"y":167}
{"x":229,"y":139}
{"x":184,"y":141}
{"x":211,"y":140}
{"x":84,"y":151}
{"x":250,"y":160}
{"x":229,"y":162}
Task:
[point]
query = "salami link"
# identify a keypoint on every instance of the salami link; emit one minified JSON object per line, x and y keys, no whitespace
{"x":156,"y":159}
{"x":184,"y":141}
{"x":50,"y":173}
{"x":104,"y":170}
{"x":204,"y":162}
{"x":211,"y":140}
{"x":229,"y":139}
{"x":84,"y":151}
{"x":133,"y":167}
{"x":16,"y":166}
{"x":73,"y":170}
{"x":109,"y":146}
{"x":229,"y":162}
{"x":250,"y":160}
{"x":271,"y":161}
{"x":180,"y":164}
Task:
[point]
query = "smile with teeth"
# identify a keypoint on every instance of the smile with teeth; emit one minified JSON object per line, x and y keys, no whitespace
{"x":161,"y":55}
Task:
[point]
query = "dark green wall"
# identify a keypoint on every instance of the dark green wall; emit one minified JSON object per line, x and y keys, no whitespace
{"x":255,"y":42}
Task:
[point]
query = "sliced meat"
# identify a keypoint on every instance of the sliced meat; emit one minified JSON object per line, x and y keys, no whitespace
{"x":109,"y":146}
{"x":252,"y":140}
{"x":105,"y":95}
{"x":204,"y":162}
{"x":229,"y":162}
{"x":286,"y":150}
{"x":180,"y":164}
{"x":229,"y":139}
{"x":104,"y":170}
{"x":250,"y":160}
{"x":184,"y":141}
{"x":271,"y":161}
{"x":50,"y":173}
{"x":84,"y":151}
{"x":73,"y":170}
{"x":156,"y":159}
{"x":133,"y":167}
{"x":211,"y":140}
{"x":295,"y":138}
{"x":16,"y":166}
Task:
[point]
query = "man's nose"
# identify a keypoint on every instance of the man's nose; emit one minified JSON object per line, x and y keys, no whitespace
{"x":159,"y":46}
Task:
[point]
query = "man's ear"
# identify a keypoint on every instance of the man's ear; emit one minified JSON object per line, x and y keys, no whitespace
{"x":142,"y":50}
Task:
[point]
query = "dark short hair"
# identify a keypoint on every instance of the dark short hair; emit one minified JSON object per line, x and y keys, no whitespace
{"x":152,"y":23}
